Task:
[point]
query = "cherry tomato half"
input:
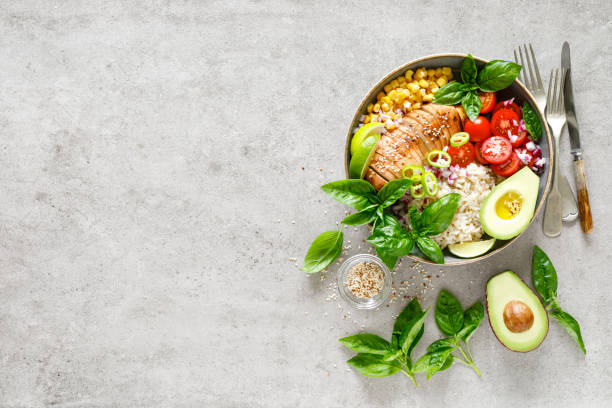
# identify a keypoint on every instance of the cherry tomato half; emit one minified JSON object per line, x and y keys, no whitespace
{"x":487,"y":100}
{"x":509,"y":167}
{"x":462,"y":155}
{"x":504,"y":121}
{"x":478,"y":153}
{"x":479,"y":130}
{"x":496,"y":149}
{"x":512,"y":106}
{"x":520,"y":139}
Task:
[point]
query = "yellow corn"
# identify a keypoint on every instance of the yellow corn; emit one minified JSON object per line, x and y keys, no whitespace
{"x":438,"y":71}
{"x":388,"y":88}
{"x":408,"y":75}
{"x":390,"y":126}
{"x":447,"y":72}
{"x":385,"y":107}
{"x":376,"y":108}
{"x":414,"y":87}
{"x":431,"y":73}
{"x":420,"y":74}
{"x":416,"y":105}
{"x":370,"y":107}
{"x":423,"y":83}
{"x":441,"y":81}
{"x":428,"y":98}
{"x":394,"y":84}
{"x":401,"y":81}
{"x":387,"y":100}
{"x":366,"y":119}
{"x":434,"y":89}
{"x":392,"y":94}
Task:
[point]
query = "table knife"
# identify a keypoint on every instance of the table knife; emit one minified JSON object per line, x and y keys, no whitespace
{"x":584,"y":207}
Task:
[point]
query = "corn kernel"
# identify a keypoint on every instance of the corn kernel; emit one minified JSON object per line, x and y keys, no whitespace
{"x":394,"y":83}
{"x":376,"y":108}
{"x":402,"y":81}
{"x":423,"y":91}
{"x":392,"y":94}
{"x":414,"y":87}
{"x":428,"y":98}
{"x":388,"y":88}
{"x":431,"y":73}
{"x":417,"y":105}
{"x":390,"y":126}
{"x":387,"y":100}
{"x":441,"y":81}
{"x":439,"y":71}
{"x":370,"y":107}
{"x":408,"y":75}
{"x":423,"y":83}
{"x":380,"y":95}
{"x":366,"y":119}
{"x":447,"y":72}
{"x":434,"y":89}
{"x":420,"y":74}
{"x":385,"y":107}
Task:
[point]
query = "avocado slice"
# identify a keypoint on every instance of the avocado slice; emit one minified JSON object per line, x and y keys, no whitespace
{"x":509,"y":207}
{"x":516,"y":314}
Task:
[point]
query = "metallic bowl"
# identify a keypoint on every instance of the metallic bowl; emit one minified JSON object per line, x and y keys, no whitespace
{"x":516,"y":90}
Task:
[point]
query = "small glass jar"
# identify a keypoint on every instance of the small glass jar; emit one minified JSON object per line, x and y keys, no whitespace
{"x":360,"y":302}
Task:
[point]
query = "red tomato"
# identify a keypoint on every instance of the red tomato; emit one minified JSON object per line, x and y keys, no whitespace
{"x":509,"y":167}
{"x":487,"y":100}
{"x":520,"y":139}
{"x":525,"y":156}
{"x":478,"y":153}
{"x":504,"y":121}
{"x":462,"y":155}
{"x":479,"y":130}
{"x":496,"y":149}
{"x":512,"y":106}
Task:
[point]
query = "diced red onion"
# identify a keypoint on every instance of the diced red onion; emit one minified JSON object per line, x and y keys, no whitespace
{"x":530,"y":146}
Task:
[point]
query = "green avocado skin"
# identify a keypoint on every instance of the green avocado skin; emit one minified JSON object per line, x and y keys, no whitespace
{"x":506,"y":287}
{"x":526,"y":183}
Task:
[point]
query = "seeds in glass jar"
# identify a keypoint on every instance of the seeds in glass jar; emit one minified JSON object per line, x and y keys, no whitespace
{"x":365,"y":280}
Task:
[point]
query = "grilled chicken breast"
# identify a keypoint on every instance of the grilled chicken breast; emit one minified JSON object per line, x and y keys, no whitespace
{"x":417,"y":133}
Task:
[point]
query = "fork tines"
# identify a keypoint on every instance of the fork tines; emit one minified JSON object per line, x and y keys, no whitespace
{"x":554,"y":100}
{"x":533,"y":81}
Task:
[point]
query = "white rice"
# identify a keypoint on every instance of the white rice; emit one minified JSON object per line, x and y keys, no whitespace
{"x":473,"y":183}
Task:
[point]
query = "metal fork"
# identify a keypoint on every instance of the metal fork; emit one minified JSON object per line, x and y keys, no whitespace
{"x":555,"y":116}
{"x":534,"y":83}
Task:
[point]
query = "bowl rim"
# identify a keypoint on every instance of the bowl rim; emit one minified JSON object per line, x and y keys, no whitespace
{"x":392,"y":74}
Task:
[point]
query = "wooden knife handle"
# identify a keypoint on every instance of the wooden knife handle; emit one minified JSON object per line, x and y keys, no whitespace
{"x":584,"y":207}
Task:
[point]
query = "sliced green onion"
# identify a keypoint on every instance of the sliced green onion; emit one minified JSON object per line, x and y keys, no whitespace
{"x":459,"y":139}
{"x":414,"y":191}
{"x":430,"y":184}
{"x":438,"y":158}
{"x":414,"y":172}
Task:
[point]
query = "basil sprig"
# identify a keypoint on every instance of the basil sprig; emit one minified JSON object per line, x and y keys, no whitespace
{"x":378,"y":357}
{"x":532,"y":121}
{"x":545,"y":281}
{"x":458,"y":325}
{"x":360,"y":195}
{"x":494,"y":76}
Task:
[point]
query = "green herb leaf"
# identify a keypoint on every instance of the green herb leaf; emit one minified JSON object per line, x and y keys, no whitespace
{"x":367,"y":343}
{"x":389,"y":237}
{"x":532,"y":121}
{"x":430,"y":249}
{"x":323,"y":251}
{"x":471,"y":104}
{"x":362,"y":217}
{"x":392,"y":191}
{"x":544,"y":276}
{"x":441,"y":344}
{"x":389,"y":260}
{"x":421,"y":364}
{"x":471,"y":320}
{"x":411,"y":310}
{"x":448,"y":363}
{"x":570,"y":325}
{"x":357,"y":194}
{"x":497,"y":75}
{"x":450,"y":94}
{"x":437,"y":360}
{"x":411,"y":332}
{"x":438,"y":215}
{"x":449,"y":313}
{"x":374,"y":365}
{"x":468,"y":70}
{"x":415,"y":219}
{"x":392,"y":355}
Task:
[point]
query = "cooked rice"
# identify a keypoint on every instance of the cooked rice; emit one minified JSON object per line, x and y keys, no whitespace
{"x":473,"y":183}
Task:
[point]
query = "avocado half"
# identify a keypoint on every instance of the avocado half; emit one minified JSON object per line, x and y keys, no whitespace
{"x":516,"y":314}
{"x":520,"y":189}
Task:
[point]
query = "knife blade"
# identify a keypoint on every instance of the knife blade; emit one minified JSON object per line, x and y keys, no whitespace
{"x":570,"y":109}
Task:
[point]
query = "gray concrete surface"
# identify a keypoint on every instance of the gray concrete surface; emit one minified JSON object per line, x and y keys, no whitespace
{"x":160,"y":166}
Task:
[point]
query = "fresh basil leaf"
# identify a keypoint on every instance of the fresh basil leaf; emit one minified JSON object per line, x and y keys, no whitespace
{"x":450,"y":94}
{"x":448,"y":363}
{"x":323,"y":251}
{"x":392,"y":355}
{"x":393,"y":246}
{"x":392,"y":191}
{"x":468,"y":70}
{"x":415,"y":219}
{"x":471,"y":320}
{"x":437,"y":360}
{"x":442,"y":344}
{"x":438,"y":215}
{"x":367,"y":343}
{"x":430,"y":249}
{"x":362,"y":217}
{"x":497,"y":75}
{"x":449,"y":314}
{"x":570,"y":325}
{"x":357,"y":194}
{"x":544,"y":276}
{"x":389,"y":226}
{"x":411,"y":310}
{"x":411,"y":332}
{"x":532,"y":121}
{"x":389,"y":260}
{"x":380,"y":212}
{"x":471,"y":104}
{"x":421,"y":364}
{"x":374,"y":365}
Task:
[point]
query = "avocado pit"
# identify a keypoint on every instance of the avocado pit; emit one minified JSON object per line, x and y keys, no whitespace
{"x":518,"y":317}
